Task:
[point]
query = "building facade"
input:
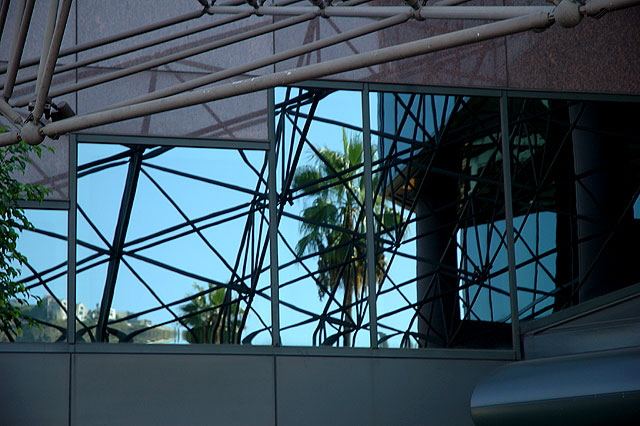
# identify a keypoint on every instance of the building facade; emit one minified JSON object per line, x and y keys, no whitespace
{"x":372,"y":214}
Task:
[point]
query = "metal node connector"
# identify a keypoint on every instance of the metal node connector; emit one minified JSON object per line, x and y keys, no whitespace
{"x":567,"y":14}
{"x":31,"y":134}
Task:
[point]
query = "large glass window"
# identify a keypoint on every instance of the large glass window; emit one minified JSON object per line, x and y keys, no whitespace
{"x":171,"y":245}
{"x":389,"y":225}
{"x":322,"y":230}
{"x":44,"y":274}
{"x":445,"y":283}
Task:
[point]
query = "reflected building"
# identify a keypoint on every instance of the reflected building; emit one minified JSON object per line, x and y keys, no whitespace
{"x":569,"y":191}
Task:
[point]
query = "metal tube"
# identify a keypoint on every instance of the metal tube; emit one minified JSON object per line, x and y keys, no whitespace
{"x":270,"y":60}
{"x":10,"y":113}
{"x":178,"y":55}
{"x":22,"y":26}
{"x":508,"y":218}
{"x":427,"y":12}
{"x":141,"y":46}
{"x":125,"y":51}
{"x":9,"y":138}
{"x":128,"y":34}
{"x":368,"y":208}
{"x":250,"y":85}
{"x":52,"y":57}
{"x":46,"y":38}
{"x":596,"y":7}
{"x":4,"y":9}
{"x":117,"y":37}
{"x":481,"y":12}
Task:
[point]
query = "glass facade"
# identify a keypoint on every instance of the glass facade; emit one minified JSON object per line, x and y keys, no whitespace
{"x":387,"y":226}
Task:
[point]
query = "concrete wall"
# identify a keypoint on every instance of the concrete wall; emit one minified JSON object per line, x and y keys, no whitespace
{"x":270,"y":387}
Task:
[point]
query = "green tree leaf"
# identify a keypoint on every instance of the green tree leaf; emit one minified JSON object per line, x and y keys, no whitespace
{"x":14,"y":295}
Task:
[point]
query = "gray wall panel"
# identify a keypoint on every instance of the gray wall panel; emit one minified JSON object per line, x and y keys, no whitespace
{"x":34,"y":389}
{"x":325,"y":391}
{"x":122,"y":389}
{"x":235,"y":389}
{"x":376,"y":391}
{"x":426,"y":391}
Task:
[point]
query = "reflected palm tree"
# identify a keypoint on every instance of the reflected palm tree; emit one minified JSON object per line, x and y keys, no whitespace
{"x":333,"y":227}
{"x":212,"y":316}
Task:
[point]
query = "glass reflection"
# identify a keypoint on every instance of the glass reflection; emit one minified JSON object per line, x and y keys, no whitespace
{"x":170,"y":249}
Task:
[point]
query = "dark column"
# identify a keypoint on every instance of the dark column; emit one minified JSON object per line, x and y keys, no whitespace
{"x":559,"y":142}
{"x":436,"y":251}
{"x":604,"y":188}
{"x":117,"y":247}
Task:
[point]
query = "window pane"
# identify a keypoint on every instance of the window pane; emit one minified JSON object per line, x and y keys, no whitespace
{"x":171,"y":244}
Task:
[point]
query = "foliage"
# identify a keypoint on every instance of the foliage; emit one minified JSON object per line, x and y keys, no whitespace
{"x":212,"y":316}
{"x":14,"y":294}
{"x":333,"y":226}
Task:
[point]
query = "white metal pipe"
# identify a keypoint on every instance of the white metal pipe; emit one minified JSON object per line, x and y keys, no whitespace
{"x":488,"y":13}
{"x":251,"y":85}
{"x":46,"y":38}
{"x":124,"y":51}
{"x":52,"y":58}
{"x":10,"y":113}
{"x":480,"y":12}
{"x":178,"y":55}
{"x":427,"y":12}
{"x":596,"y":7}
{"x":117,"y":37}
{"x":126,"y":34}
{"x":22,"y":26}
{"x":9,"y":138}
{"x":4,"y":9}
{"x":269,"y":60}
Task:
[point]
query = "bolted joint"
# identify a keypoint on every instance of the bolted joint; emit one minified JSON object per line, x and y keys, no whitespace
{"x":31,"y":134}
{"x":567,"y":14}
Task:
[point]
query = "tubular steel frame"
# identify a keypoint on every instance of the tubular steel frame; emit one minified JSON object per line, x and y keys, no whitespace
{"x":510,"y":20}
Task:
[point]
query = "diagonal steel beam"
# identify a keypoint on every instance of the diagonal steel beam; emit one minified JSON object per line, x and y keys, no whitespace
{"x":419,"y":47}
{"x":44,"y":83}
{"x":179,"y":55}
{"x":22,"y":26}
{"x":115,"y":38}
{"x":46,"y":39}
{"x":270,"y":60}
{"x":10,"y":113}
{"x":4,"y":9}
{"x":117,"y":246}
